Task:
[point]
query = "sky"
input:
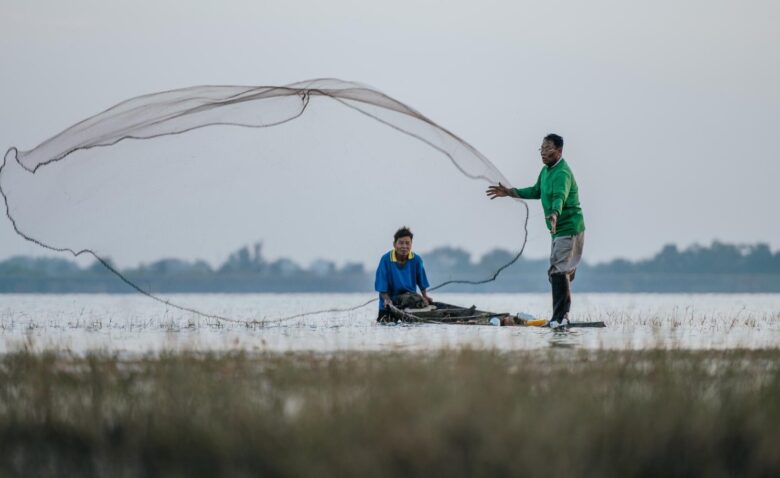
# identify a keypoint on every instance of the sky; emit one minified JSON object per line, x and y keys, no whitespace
{"x":668,"y":109}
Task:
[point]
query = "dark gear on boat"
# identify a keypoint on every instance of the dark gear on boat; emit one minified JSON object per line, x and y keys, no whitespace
{"x":409,"y":300}
{"x":405,"y":300}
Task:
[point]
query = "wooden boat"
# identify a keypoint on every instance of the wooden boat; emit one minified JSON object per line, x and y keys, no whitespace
{"x":441,"y":313}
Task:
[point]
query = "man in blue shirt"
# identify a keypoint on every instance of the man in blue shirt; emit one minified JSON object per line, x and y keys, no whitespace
{"x":398,"y":275}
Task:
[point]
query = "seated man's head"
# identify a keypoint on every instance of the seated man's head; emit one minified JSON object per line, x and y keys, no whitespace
{"x":402,"y":242}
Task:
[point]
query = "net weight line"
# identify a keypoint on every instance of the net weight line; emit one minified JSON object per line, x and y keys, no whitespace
{"x":222,"y":318}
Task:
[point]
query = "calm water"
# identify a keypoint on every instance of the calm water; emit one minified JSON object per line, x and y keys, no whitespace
{"x":134,"y":324}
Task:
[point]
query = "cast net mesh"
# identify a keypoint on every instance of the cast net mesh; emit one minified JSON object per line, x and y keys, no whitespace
{"x":321,"y":168}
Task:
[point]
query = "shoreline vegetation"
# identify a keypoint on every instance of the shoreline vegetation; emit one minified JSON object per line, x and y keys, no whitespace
{"x":559,"y":412}
{"x":719,"y":268}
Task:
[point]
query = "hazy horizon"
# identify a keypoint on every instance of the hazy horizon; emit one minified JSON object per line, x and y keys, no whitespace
{"x":86,"y":260}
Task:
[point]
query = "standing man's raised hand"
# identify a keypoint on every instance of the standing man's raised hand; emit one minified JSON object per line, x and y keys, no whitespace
{"x":499,"y":191}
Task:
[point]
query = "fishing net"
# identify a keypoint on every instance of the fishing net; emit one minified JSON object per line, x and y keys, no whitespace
{"x":319,"y":169}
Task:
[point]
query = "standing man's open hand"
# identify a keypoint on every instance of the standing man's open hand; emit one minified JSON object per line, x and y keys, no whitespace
{"x":499,"y":191}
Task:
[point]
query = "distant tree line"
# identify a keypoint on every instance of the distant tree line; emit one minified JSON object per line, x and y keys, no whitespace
{"x":718,"y":258}
{"x":716,"y":268}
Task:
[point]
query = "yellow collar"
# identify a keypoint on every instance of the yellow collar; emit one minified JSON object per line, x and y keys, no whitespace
{"x":395,"y":259}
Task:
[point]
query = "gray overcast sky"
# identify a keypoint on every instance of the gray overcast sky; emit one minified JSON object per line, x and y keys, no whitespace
{"x":669,"y":109}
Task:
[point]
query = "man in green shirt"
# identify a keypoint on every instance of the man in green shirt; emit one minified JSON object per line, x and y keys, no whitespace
{"x":559,"y":194}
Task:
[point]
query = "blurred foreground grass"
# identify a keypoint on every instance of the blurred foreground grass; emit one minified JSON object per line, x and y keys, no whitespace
{"x":452,"y":413}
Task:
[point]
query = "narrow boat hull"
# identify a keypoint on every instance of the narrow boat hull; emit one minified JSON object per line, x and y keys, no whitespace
{"x":441,"y":313}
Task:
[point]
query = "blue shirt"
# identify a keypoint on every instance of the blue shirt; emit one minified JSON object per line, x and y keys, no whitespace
{"x":396,"y":279}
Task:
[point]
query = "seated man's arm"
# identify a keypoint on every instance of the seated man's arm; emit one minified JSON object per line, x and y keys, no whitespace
{"x":422,"y":283}
{"x":382,"y":284}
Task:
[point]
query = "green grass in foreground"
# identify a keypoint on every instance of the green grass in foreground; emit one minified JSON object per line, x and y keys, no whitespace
{"x":455,"y":413}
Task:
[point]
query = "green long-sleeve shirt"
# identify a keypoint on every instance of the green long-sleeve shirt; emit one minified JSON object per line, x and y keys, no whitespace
{"x":558,"y":191}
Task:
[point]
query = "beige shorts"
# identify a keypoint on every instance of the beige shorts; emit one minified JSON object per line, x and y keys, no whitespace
{"x":566,"y":253}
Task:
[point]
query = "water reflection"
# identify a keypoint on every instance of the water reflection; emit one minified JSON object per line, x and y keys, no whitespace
{"x":129,"y":323}
{"x":564,"y":339}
